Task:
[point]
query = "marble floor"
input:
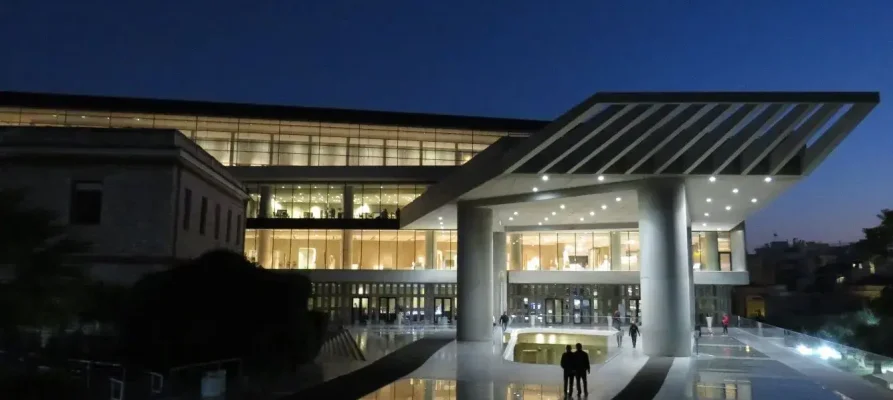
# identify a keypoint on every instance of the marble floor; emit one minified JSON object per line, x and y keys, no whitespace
{"x":738,"y":366}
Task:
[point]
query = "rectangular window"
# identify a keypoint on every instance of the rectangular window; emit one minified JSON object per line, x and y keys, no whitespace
{"x":203,"y":216}
{"x":229,"y":224}
{"x":238,"y":228}
{"x":86,"y":203}
{"x":217,"y":221}
{"x":187,"y":208}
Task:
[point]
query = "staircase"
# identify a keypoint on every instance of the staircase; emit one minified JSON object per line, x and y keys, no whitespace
{"x":340,"y":345}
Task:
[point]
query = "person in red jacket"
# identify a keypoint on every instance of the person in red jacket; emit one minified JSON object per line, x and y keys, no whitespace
{"x":725,"y":324}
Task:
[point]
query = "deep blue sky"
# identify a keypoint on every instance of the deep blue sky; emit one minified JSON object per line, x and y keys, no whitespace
{"x":525,"y":59}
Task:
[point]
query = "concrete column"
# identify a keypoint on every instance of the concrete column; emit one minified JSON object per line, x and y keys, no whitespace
{"x":499,"y":274}
{"x":665,"y":268}
{"x":265,"y":236}
{"x":346,"y":248}
{"x":430,"y":249}
{"x":474,"y":274}
{"x":347,"y":204}
{"x":616,"y":251}
{"x":516,"y":252}
{"x":710,"y":252}
{"x":738,"y":244}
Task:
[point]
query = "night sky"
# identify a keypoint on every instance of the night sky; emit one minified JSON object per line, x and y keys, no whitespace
{"x":522,"y":59}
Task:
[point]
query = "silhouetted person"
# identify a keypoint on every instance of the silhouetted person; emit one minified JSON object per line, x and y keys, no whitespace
{"x":581,"y":369}
{"x":568,"y":361}
{"x":633,"y":333}
{"x":725,"y":324}
{"x":397,"y":214}
{"x":504,"y":320}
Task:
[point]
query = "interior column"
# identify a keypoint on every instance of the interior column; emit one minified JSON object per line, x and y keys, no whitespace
{"x":499,"y":275}
{"x":665,"y":268}
{"x":264,"y":236}
{"x":516,"y":252}
{"x":347,"y":234}
{"x":430,"y":250}
{"x":474,"y":273}
{"x":616,"y":251}
{"x":739,"y":248}
{"x":710,"y":252}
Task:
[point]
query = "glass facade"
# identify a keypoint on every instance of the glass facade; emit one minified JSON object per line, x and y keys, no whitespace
{"x":257,"y":142}
{"x":699,"y":245}
{"x":385,"y":303}
{"x":326,"y":199}
{"x":573,"y":251}
{"x":365,"y":249}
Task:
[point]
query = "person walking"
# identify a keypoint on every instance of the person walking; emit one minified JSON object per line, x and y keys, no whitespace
{"x":567,"y":364}
{"x":582,"y":368}
{"x":725,"y":324}
{"x":633,"y":333}
{"x":504,"y":320}
{"x":619,"y":337}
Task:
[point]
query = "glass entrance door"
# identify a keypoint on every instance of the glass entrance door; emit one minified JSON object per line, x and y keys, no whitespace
{"x":359,"y":310}
{"x":555,"y":311}
{"x":582,"y":311}
{"x":635,"y":310}
{"x":387,"y":309}
{"x":443,"y":310}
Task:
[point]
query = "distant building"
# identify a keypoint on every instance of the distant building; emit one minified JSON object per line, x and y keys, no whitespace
{"x":118,"y":189}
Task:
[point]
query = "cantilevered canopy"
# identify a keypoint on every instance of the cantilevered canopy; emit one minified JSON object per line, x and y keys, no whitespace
{"x":753,"y":145}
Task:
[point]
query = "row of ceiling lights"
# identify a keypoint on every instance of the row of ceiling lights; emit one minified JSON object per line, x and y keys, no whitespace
{"x":545,"y":178}
{"x":712,"y":179}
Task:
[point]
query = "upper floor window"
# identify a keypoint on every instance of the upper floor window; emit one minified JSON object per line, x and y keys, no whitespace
{"x":86,"y":203}
{"x":203,"y":216}
{"x":187,"y":208}
{"x":229,"y":224}
{"x":217,"y":221}
{"x":238,"y":228}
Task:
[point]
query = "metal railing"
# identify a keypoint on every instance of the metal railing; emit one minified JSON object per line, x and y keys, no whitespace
{"x":848,"y":359}
{"x":571,"y":321}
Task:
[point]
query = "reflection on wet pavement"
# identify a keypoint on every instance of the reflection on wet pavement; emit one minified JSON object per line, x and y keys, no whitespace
{"x":443,"y":389}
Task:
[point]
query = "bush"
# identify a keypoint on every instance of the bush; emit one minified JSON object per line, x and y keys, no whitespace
{"x":220,"y":306}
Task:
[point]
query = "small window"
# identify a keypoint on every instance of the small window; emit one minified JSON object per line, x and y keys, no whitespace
{"x":187,"y":208}
{"x":203,"y":216}
{"x":86,"y":203}
{"x":217,"y":221}
{"x":238,"y":228}
{"x":229,"y":224}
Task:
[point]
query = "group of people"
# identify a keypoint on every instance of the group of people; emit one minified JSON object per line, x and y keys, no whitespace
{"x":576,"y":366}
{"x":702,"y":320}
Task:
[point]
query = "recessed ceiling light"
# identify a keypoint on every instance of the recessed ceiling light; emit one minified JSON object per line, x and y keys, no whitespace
{"x":547,"y":218}
{"x":604,"y":207}
{"x":535,"y":189}
{"x":553,"y":212}
{"x":617,"y":199}
{"x":562,"y":206}
{"x":706,"y":214}
{"x":516,"y":213}
{"x":601,"y":178}
{"x":440,"y":218}
{"x":753,"y":200}
{"x":712,"y":179}
{"x":709,"y":200}
{"x":539,"y":223}
{"x":581,"y":218}
{"x":735,"y":190}
{"x":704,"y":224}
{"x":511,"y":218}
{"x":545,"y":177}
{"x":767,"y":179}
{"x":728,"y":208}
{"x":592,"y":213}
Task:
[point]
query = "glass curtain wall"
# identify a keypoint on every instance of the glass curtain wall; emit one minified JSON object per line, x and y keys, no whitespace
{"x":326,"y":199}
{"x":698,"y":248}
{"x":255,"y":142}
{"x":571,"y":251}
{"x":365,"y":249}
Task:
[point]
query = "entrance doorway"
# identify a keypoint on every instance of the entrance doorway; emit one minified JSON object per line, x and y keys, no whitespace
{"x":443,"y":310}
{"x":387,"y":309}
{"x":635,"y":311}
{"x":359,"y":310}
{"x":555,"y":311}
{"x":582,"y":312}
